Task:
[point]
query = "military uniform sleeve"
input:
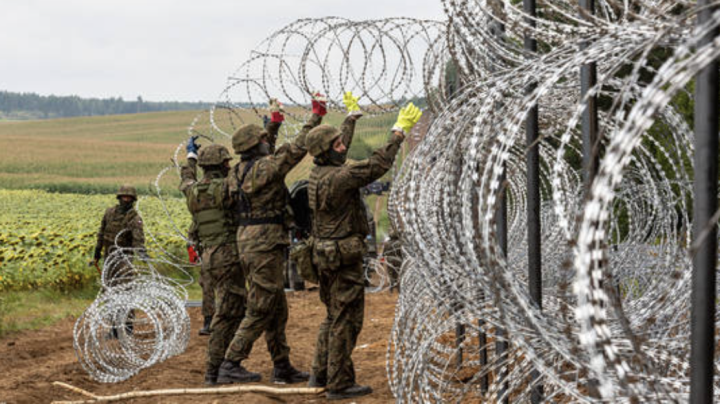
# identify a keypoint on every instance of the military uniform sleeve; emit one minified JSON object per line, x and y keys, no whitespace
{"x":361,"y":173}
{"x":188,"y":175}
{"x":100,"y":237}
{"x":138,"y":234}
{"x":290,"y":154}
{"x":347,"y":130}
{"x":272,"y":128}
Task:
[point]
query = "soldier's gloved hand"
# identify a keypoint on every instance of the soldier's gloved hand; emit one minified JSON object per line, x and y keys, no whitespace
{"x":266,"y":120}
{"x":276,"y":111}
{"x":319,"y":104}
{"x":351,"y":103}
{"x":192,"y":147}
{"x":407,"y":118}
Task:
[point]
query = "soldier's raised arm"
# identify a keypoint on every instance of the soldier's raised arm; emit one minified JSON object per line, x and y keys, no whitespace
{"x":359,"y":174}
{"x":188,"y":172}
{"x":347,"y":129}
{"x":290,"y":154}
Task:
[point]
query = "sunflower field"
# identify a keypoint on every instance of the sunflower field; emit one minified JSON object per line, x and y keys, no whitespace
{"x":47,"y":240}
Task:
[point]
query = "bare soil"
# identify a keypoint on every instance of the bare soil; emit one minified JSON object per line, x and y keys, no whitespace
{"x":31,"y":361}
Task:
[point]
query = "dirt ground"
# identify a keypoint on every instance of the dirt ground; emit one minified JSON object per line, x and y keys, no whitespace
{"x":31,"y":361}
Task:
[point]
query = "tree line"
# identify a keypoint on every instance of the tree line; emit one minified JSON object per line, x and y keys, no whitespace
{"x":34,"y":106}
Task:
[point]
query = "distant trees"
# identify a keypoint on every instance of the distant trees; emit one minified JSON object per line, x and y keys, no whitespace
{"x":34,"y":106}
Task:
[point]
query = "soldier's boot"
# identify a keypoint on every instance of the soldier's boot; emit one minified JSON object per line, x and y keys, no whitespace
{"x":206,"y":326}
{"x":234,"y":372}
{"x":316,"y":381}
{"x":349,"y":392}
{"x":211,"y":376}
{"x":285,"y":373}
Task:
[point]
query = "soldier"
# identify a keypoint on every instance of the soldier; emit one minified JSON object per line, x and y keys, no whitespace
{"x":121,"y":228}
{"x":213,"y":227}
{"x":339,"y":230}
{"x":122,"y":220}
{"x":259,"y":183}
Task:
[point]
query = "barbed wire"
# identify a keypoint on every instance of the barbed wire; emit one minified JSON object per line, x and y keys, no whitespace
{"x":615,"y":320}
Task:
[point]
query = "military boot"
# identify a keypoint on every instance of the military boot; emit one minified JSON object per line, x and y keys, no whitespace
{"x":234,"y":372}
{"x":206,"y":326}
{"x":349,"y":392}
{"x":285,"y":373}
{"x":316,"y":381}
{"x":211,"y":376}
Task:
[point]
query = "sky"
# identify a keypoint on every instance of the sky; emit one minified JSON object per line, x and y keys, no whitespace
{"x":162,"y":50}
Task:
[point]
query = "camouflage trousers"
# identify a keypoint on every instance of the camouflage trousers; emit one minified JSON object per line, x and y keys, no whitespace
{"x":342,"y":291}
{"x":230,"y":298}
{"x":267,"y":309}
{"x":208,"y":292}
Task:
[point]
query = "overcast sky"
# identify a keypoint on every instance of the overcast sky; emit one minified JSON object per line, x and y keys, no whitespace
{"x":160,"y":49}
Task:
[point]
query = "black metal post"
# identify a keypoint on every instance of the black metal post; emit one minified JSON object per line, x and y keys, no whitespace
{"x":532,"y":133}
{"x":588,"y":79}
{"x":702,"y":349}
{"x":501,"y":344}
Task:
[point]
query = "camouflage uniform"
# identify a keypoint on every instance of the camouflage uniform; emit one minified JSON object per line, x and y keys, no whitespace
{"x":262,"y":239}
{"x":340,"y":227}
{"x":206,"y":281}
{"x":211,"y":205}
{"x":125,"y":222}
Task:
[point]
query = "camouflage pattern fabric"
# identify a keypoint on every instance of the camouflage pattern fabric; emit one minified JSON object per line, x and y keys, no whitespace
{"x":267,"y":309}
{"x":339,"y":228}
{"x":230,"y":300}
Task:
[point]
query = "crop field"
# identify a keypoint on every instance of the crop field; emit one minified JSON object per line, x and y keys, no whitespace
{"x":48,"y":239}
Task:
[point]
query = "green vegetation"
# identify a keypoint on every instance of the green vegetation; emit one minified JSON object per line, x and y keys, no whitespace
{"x":21,"y":106}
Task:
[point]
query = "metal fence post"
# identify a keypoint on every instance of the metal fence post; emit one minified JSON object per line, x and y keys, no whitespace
{"x":532,"y":133}
{"x":702,"y":349}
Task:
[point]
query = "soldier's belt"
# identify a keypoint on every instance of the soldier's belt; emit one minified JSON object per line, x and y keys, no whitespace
{"x":252,"y":221}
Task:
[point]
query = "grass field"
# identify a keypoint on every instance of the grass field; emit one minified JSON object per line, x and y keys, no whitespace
{"x":96,"y":154}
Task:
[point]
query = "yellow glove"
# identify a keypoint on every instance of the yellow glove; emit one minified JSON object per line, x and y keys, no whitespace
{"x":351,"y":103}
{"x":407,"y":118}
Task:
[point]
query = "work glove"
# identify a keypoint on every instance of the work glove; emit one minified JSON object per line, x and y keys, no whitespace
{"x":351,"y":103}
{"x":192,"y":148}
{"x":407,"y":118}
{"x":276,"y":111}
{"x":266,"y":120}
{"x":319,"y":104}
{"x":192,"y":255}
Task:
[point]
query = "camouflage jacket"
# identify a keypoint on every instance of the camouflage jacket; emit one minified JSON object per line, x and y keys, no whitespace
{"x":264,"y":186}
{"x":224,"y":254}
{"x":127,"y":224}
{"x":334,"y":193}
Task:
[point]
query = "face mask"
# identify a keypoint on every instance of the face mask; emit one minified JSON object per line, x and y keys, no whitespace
{"x":263,"y":149}
{"x":338,"y":158}
{"x":225,"y":170}
{"x":125,"y":206}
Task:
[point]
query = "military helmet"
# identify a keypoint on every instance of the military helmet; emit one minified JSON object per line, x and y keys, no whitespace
{"x":213,"y":155}
{"x":320,"y":139}
{"x":127,"y":190}
{"x":246,"y":137}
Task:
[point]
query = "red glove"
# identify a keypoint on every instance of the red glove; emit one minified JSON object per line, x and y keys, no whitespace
{"x":277,"y":117}
{"x":276,"y":111}
{"x":192,"y":255}
{"x":319,"y":104}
